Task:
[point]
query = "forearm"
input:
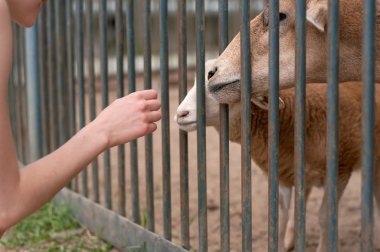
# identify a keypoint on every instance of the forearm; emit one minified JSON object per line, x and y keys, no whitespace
{"x":41,"y":180}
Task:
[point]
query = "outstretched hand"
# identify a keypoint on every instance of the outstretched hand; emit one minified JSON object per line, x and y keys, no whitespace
{"x":129,"y":117}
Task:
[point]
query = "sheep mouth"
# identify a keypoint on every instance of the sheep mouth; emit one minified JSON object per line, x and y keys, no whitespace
{"x":186,"y":123}
{"x":218,"y":87}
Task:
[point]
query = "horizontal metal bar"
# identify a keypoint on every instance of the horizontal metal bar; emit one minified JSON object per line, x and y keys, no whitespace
{"x":119,"y":231}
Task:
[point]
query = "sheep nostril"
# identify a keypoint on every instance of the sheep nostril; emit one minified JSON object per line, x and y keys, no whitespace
{"x":211,"y":73}
{"x":182,"y":113}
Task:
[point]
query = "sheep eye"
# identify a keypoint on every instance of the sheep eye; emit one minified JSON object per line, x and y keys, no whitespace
{"x":282,"y":16}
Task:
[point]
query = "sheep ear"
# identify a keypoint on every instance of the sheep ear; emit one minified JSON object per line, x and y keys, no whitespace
{"x":260,"y":102}
{"x":281,"y":104}
{"x":317,"y":13}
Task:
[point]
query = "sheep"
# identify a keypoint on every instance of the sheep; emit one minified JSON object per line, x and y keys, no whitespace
{"x":226,"y":68}
{"x":315,"y":150}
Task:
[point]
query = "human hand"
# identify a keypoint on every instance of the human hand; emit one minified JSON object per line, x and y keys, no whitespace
{"x":129,"y":117}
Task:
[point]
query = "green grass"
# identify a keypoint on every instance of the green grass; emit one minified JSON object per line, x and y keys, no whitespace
{"x":50,"y":229}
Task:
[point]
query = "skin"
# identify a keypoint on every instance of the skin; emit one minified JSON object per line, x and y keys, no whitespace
{"x":24,"y":191}
{"x":224,"y":83}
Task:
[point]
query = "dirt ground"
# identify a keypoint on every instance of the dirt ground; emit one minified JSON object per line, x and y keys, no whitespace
{"x":349,"y":212}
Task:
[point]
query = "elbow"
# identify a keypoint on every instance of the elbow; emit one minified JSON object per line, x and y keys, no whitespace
{"x":5,"y":222}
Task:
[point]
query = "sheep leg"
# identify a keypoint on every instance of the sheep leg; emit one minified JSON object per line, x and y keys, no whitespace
{"x":285,"y":195}
{"x":290,"y":234}
{"x":323,"y":225}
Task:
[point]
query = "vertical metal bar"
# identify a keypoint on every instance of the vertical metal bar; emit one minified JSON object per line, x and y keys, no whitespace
{"x":17,"y":89}
{"x":52,"y":73}
{"x":120,"y":93}
{"x":333,"y":125}
{"x":33,"y":94}
{"x":299,"y":130}
{"x":71,"y":74}
{"x":23,"y":97}
{"x":105,"y":98}
{"x":132,"y":88}
{"x":81,"y":94}
{"x":273,"y":124}
{"x":165,"y":119}
{"x":183,"y":137}
{"x":201,"y":126}
{"x":62,"y":71}
{"x":149,"y":138}
{"x":245,"y":127}
{"x":368,"y":122}
{"x":92,"y":93}
{"x":44,"y":79}
{"x":224,"y":141}
{"x":20,"y":83}
{"x":71,"y":64}
{"x":11,"y":94}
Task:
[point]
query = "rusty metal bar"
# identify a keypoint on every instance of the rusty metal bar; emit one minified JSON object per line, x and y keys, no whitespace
{"x":368,"y":125}
{"x":224,"y":142}
{"x":245,"y":128}
{"x":149,"y":176}
{"x":333,"y":125}
{"x":299,"y":127}
{"x":164,"y":58}
{"x":183,"y":138}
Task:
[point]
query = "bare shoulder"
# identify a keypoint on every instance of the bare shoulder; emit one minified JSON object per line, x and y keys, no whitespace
{"x":5,"y":43}
{"x":4,"y":11}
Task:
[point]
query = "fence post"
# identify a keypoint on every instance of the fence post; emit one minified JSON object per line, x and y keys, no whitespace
{"x":33,"y":95}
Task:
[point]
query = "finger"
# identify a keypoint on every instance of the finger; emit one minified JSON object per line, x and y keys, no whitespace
{"x":153,"y":116}
{"x":147,"y":94}
{"x":153,"y":105}
{"x":152,"y":127}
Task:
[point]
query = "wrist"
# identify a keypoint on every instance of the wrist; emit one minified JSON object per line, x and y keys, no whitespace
{"x":95,"y":135}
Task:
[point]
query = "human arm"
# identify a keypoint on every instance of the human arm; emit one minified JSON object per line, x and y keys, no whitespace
{"x":24,"y":191}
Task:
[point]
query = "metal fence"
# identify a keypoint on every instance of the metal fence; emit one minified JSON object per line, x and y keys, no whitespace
{"x":55,"y":91}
